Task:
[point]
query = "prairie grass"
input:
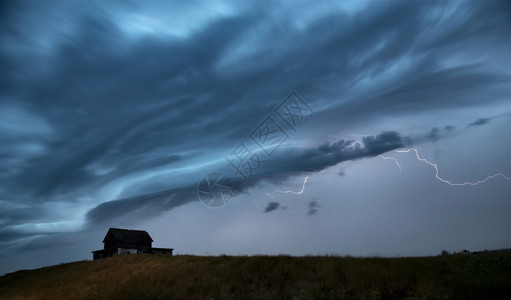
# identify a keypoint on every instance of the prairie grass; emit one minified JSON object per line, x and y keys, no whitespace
{"x":145,"y":276}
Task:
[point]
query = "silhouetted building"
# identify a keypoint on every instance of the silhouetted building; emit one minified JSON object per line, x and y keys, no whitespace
{"x":123,"y":241}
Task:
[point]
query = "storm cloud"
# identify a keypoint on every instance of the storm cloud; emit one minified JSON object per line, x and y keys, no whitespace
{"x":271,"y":206}
{"x":480,"y":122}
{"x":313,"y":207}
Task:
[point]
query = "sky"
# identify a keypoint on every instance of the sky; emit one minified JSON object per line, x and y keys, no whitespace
{"x":297,"y":127}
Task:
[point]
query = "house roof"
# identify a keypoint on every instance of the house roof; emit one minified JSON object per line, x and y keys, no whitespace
{"x":129,"y":235}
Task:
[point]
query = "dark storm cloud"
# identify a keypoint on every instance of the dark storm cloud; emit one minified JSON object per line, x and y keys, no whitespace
{"x":480,"y":122}
{"x":143,"y":206}
{"x":120,"y":129}
{"x":330,"y":154}
{"x":462,"y":86}
{"x":14,"y":215}
{"x":271,"y":206}
{"x":434,"y":134}
{"x":290,"y":162}
{"x":96,"y":106}
{"x":40,"y":241}
{"x":449,"y":128}
{"x":382,"y":143}
{"x":313,"y":207}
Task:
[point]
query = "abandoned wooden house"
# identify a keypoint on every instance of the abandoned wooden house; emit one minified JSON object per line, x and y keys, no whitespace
{"x":123,"y":241}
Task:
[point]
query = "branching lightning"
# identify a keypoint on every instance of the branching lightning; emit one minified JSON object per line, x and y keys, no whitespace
{"x":394,"y":159}
{"x":447,"y":181}
{"x":290,"y":192}
{"x":434,"y":165}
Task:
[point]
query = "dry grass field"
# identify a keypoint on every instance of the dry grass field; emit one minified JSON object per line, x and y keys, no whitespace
{"x":266,"y":277}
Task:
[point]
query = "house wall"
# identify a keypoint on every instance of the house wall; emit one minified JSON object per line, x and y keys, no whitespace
{"x":99,"y":254}
{"x":121,"y":251}
{"x":133,"y":244}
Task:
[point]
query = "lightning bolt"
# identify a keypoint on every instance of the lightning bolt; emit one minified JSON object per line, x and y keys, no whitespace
{"x":290,"y":192}
{"x":394,"y":159}
{"x":447,"y":181}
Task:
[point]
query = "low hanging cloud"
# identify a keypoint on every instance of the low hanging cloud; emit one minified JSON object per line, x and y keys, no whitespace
{"x":290,"y":162}
{"x":313,"y":207}
{"x":330,"y":154}
{"x":271,"y":206}
{"x":479,"y":122}
{"x":449,"y":128}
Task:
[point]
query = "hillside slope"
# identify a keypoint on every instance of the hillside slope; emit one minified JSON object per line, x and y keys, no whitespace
{"x":163,"y":277}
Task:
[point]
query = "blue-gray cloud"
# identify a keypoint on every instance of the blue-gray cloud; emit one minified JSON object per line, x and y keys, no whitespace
{"x":290,"y":162}
{"x":271,"y":206}
{"x":313,"y":207}
{"x":479,"y":122}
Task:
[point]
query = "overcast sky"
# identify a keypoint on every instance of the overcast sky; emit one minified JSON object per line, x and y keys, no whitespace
{"x":112,"y":114}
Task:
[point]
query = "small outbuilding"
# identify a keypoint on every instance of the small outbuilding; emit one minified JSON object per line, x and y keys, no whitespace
{"x":125,"y":241}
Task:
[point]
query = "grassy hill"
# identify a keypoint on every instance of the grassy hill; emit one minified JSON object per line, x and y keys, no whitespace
{"x":269,"y":277}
